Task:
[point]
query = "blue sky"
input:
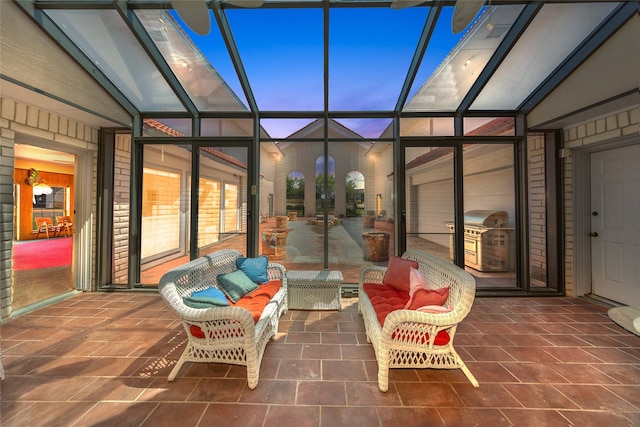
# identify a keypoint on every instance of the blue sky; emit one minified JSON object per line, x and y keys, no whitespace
{"x":370,"y":50}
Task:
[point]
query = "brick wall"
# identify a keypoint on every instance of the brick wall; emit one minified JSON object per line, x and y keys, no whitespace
{"x":537,"y":211}
{"x":121,"y":204}
{"x":17,"y":122}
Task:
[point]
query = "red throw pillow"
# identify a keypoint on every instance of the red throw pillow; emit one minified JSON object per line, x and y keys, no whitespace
{"x":424,"y":297}
{"x":397,"y":274}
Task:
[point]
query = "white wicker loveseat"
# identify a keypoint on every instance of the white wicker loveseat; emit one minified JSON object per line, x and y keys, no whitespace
{"x":226,"y":334}
{"x":408,"y":337}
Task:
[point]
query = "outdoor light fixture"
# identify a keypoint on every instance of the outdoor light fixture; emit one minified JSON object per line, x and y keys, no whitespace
{"x":40,"y":187}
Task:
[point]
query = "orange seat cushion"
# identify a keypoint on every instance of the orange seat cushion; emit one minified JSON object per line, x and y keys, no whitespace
{"x":386,"y":298}
{"x":255,"y":302}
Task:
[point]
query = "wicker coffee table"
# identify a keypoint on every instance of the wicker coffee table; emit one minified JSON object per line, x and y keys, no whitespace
{"x":314,"y":290}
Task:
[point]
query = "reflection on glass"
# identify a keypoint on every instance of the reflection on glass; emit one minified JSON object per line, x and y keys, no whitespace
{"x":427,"y":126}
{"x":226,"y":127}
{"x":160,"y":212}
{"x":108,"y":41}
{"x":560,"y":28}
{"x":222,"y":204}
{"x":165,"y":210}
{"x":489,"y":126}
{"x":167,"y":127}
{"x":200,"y":63}
{"x":453,"y":63}
{"x":210,"y":195}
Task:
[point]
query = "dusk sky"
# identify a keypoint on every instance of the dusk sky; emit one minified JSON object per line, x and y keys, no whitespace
{"x":370,"y":50}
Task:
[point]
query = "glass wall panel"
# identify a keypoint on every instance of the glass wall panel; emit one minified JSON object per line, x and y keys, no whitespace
{"x":167,"y":128}
{"x":367,"y":128}
{"x":222,"y":204}
{"x":430,"y":200}
{"x":357,"y":235}
{"x":290,"y":231}
{"x":490,"y":214}
{"x":226,"y":127}
{"x":283,"y":128}
{"x":165,"y":210}
{"x":489,"y":126}
{"x":427,"y":126}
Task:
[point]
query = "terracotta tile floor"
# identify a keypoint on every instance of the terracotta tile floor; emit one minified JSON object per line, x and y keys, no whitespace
{"x":101,"y":359}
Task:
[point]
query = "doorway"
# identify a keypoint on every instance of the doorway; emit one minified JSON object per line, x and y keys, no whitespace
{"x":43,"y":224}
{"x":615,"y":198}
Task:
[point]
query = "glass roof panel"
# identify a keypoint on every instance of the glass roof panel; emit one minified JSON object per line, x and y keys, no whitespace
{"x":560,"y":28}
{"x":370,"y":50}
{"x":282,"y":53}
{"x":452,"y":63}
{"x":107,"y":40}
{"x":195,"y":60}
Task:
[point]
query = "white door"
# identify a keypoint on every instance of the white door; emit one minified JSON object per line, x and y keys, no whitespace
{"x":615,"y":224}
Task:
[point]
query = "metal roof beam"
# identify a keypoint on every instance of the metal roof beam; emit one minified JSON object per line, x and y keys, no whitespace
{"x":423,"y":43}
{"x":227,"y":36}
{"x":50,"y":28}
{"x":598,"y":37}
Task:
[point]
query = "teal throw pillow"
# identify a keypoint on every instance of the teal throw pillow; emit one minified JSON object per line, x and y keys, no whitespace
{"x":236,"y":285}
{"x":254,"y":268}
{"x":207,"y":298}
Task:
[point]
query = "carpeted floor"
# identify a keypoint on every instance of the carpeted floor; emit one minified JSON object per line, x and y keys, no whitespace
{"x":47,"y":253}
{"x":41,"y":270}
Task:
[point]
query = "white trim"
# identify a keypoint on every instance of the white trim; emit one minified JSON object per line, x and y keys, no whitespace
{"x":83,"y":222}
{"x":581,"y":201}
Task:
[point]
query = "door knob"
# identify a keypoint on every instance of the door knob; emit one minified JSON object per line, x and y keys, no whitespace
{"x":594,"y":234}
{"x":594,"y":213}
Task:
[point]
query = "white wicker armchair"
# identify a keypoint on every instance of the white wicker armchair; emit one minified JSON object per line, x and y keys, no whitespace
{"x":395,"y":344}
{"x":228,"y":334}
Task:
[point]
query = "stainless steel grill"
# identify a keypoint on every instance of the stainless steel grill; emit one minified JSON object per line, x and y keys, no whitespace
{"x":486,"y":240}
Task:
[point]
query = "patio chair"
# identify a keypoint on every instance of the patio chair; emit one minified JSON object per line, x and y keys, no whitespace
{"x":45,"y":225}
{"x":64,"y":223}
